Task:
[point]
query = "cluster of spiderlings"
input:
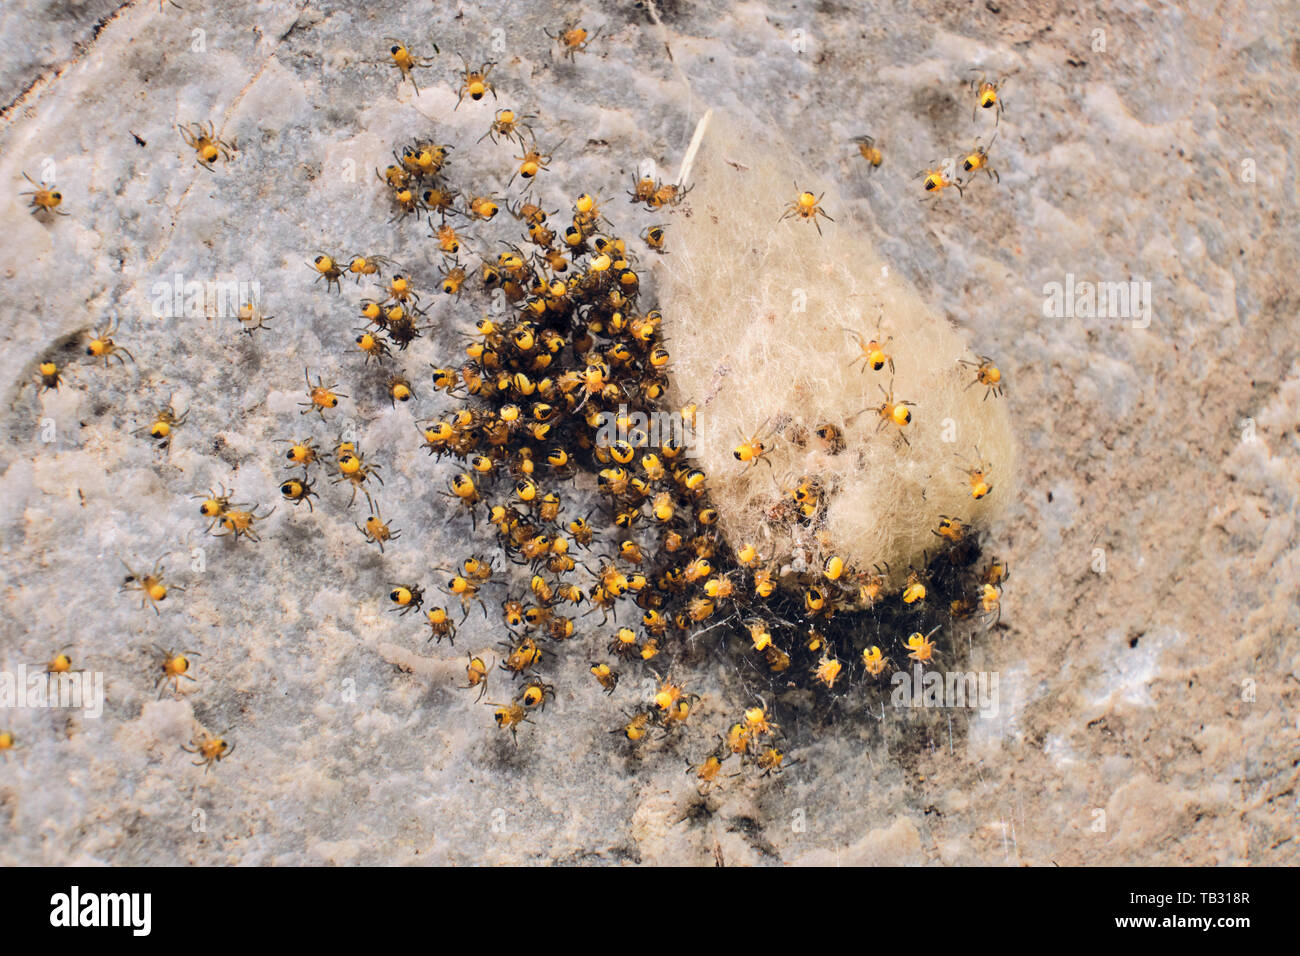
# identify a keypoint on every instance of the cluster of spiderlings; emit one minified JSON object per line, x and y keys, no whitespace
{"x":562,"y":377}
{"x":937,"y":177}
{"x":555,"y":380}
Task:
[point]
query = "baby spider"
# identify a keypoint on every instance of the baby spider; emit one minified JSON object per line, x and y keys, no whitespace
{"x":452,"y":278}
{"x":573,"y":40}
{"x":208,"y":148}
{"x":679,"y":712}
{"x":920,"y":647}
{"x":624,"y":643}
{"x":670,"y":194}
{"x":400,"y":289}
{"x":668,"y":694}
{"x":871,"y":584}
{"x":708,"y":773}
{"x":448,"y":239}
{"x":353,"y":468}
{"x":328,"y":269}
{"x":894,"y":411}
{"x":996,"y":572}
{"x":643,"y":190}
{"x":45,"y":198}
{"x":509,"y":125}
{"x":606,"y":676}
{"x":164,"y":423}
{"x":49,"y":376}
{"x":441,"y":625}
{"x":991,"y":603}
{"x":402,"y":330}
{"x":531,"y":163}
{"x":440,"y":199}
{"x":60,"y":663}
{"x":150,"y":585}
{"x":636,"y":728}
{"x":831,"y":436}
{"x":301,"y":452}
{"x":399,"y":390}
{"x":476,"y":675}
{"x":978,"y":159}
{"x":462,"y":587}
{"x":377,"y":531}
{"x":210,"y":749}
{"x":986,"y":374}
{"x":483,"y":208}
{"x":751,"y":450}
{"x":463,"y":489}
{"x":509,"y":717}
{"x":522,"y":656}
{"x":405,"y":62}
{"x":757,"y":722}
{"x":950,"y":529}
{"x":299,"y":490}
{"x":980,"y":485}
{"x":914,"y":588}
{"x":372,"y":345}
{"x":474,"y":83}
{"x":102,"y":346}
{"x":406,"y":597}
{"x":359,"y":266}
{"x":870,"y":152}
{"x":251,"y":318}
{"x":214,"y":506}
{"x":407,"y":201}
{"x":937,"y":178}
{"x":807,"y":207}
{"x":175,"y":667}
{"x":987,"y":96}
{"x":424,"y":158}
{"x":827,"y":670}
{"x":239,"y":522}
{"x":320,"y":397}
{"x":478,"y":569}
{"x":873,"y":350}
{"x":535,"y":693}
{"x":874,"y":661}
{"x":772,"y":761}
{"x":653,"y":236}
